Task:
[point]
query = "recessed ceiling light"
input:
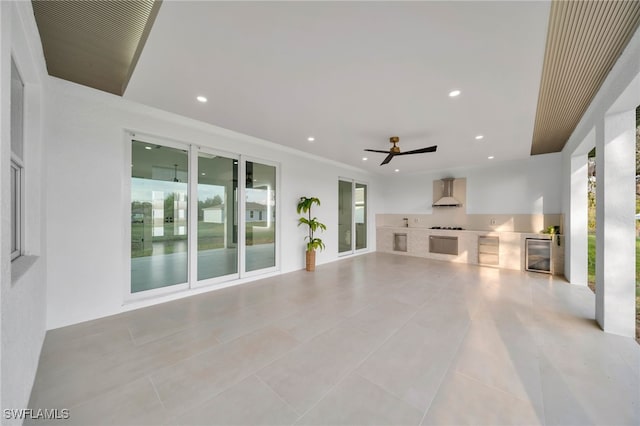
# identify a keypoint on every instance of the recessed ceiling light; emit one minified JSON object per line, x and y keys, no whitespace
{"x":147,"y":147}
{"x":364,"y":158}
{"x":396,"y":170}
{"x":311,"y":139}
{"x":479,"y":137}
{"x":201,"y":99}
{"x":454,"y":93}
{"x":491,"y":157}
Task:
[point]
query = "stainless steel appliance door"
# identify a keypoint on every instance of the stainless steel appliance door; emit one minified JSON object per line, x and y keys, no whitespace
{"x":538,"y":255}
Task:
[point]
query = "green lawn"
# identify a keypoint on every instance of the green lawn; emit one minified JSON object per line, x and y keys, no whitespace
{"x":210,"y":236}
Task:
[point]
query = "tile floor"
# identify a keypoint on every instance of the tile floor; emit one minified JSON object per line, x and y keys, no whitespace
{"x":373,"y":339}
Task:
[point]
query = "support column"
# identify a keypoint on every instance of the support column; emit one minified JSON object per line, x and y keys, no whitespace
{"x":615,"y":223}
{"x":578,"y":218}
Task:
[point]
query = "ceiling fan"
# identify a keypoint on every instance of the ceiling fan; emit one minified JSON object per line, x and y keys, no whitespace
{"x":395,"y":150}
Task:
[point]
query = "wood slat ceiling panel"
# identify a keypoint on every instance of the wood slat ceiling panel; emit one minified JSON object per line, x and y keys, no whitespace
{"x":94,"y":43}
{"x":584,"y":40}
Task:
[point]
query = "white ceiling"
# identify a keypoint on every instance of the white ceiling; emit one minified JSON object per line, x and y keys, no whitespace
{"x":354,"y":74}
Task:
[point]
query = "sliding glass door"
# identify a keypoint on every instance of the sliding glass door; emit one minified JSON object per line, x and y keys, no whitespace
{"x":159,"y":206}
{"x":260,"y":215}
{"x":198,"y":218}
{"x":352,"y":216}
{"x":217,"y":216}
{"x":345,"y":216}
{"x":360,"y":217}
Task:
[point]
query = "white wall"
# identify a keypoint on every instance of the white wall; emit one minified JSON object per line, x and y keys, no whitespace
{"x":23,"y":288}
{"x":529,"y":186}
{"x":87,"y":167}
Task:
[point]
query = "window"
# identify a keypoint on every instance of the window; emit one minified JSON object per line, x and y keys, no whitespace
{"x":17,"y":162}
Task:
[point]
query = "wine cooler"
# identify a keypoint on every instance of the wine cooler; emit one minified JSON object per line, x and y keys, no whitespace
{"x":538,"y":255}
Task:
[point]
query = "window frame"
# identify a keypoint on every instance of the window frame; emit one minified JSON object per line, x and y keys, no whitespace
{"x":17,"y":167}
{"x":193,"y":284}
{"x":17,"y":170}
{"x":353,"y":250}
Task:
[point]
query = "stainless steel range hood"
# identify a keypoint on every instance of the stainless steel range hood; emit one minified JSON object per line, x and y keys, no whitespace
{"x":447,"y":199}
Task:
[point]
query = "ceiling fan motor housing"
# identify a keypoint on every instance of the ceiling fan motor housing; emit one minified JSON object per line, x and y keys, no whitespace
{"x":394,"y":140}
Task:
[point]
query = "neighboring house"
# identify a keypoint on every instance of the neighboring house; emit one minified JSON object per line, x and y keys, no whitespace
{"x":214,"y":214}
{"x":256,"y":212}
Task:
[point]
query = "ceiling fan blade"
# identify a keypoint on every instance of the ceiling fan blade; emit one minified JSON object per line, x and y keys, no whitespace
{"x":377,"y":150}
{"x":386,"y":160}
{"x":420,"y":151}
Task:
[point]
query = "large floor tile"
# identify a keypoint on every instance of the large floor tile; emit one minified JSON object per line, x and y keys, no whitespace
{"x":201,"y":377}
{"x":577,"y":392}
{"x":465,"y":401}
{"x":356,"y":401}
{"x":303,"y":376}
{"x":249,"y":402}
{"x":74,"y":385}
{"x":412,"y":363}
{"x":135,"y":403}
{"x":382,"y":319}
{"x":501,"y":360}
{"x":378,"y":338}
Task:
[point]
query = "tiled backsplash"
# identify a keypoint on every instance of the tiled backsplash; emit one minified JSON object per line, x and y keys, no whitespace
{"x":476,"y":222}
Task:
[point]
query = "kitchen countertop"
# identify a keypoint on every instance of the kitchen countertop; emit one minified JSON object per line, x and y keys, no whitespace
{"x":478,"y":231}
{"x":511,"y":245}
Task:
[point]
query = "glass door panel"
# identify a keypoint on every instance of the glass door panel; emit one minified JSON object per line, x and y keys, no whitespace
{"x":159,"y":187}
{"x":345,"y":216}
{"x":217,"y":216}
{"x":260,"y":215}
{"x":361,"y":216}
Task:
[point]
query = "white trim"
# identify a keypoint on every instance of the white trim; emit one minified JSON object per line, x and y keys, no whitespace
{"x":353,"y":250}
{"x":196,"y":283}
{"x":19,"y":193}
{"x":129,"y":296}
{"x":193,"y":151}
{"x":241,"y":213}
{"x":244,"y":273}
{"x":126,"y":215}
{"x":192,"y":216}
{"x":366,"y":217}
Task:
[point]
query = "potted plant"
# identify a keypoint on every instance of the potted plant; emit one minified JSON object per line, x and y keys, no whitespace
{"x":313,"y":243}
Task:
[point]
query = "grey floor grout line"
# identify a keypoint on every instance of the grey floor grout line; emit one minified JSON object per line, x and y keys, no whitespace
{"x":540,"y":349}
{"x":385,"y":390}
{"x":444,"y":374}
{"x":155,"y":389}
{"x":277,"y":394}
{"x":346,"y":374}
